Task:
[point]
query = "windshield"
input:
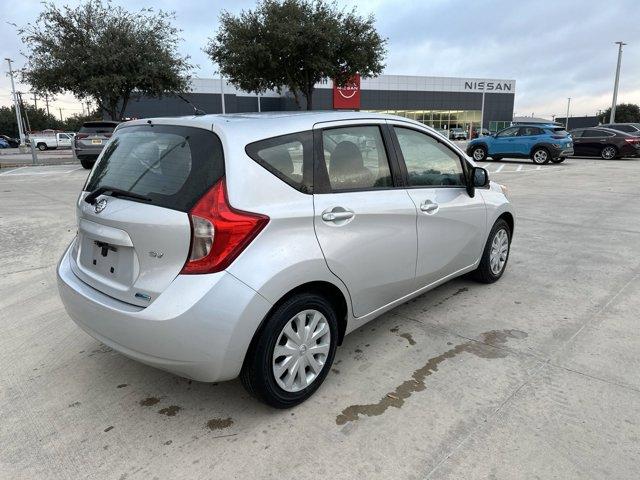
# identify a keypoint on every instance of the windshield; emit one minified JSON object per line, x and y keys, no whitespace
{"x":173,"y":166}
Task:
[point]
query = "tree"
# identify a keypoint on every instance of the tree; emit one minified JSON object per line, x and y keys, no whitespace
{"x":104,"y":52}
{"x":38,"y":120}
{"x":75,"y":121}
{"x":625,"y":113}
{"x":295,"y":44}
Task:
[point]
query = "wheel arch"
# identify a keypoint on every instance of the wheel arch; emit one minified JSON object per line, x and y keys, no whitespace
{"x":508,"y":217}
{"x":322,"y":287}
{"x":546,"y":146}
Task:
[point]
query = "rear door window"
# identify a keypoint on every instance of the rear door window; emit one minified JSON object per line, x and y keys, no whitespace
{"x":289,"y":157}
{"x":593,"y":133}
{"x":171,"y":165}
{"x":355,"y":158}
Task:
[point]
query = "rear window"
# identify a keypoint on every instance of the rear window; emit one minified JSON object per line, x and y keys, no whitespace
{"x":559,"y":132}
{"x":171,"y":165}
{"x":98,"y":127}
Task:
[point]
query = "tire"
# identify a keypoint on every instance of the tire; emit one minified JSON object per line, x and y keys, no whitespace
{"x":608,"y":152}
{"x":496,"y":158}
{"x":41,"y":146}
{"x":540,"y":156}
{"x":479,"y":153}
{"x":485,"y":273}
{"x":558,"y":160}
{"x":87,"y":163}
{"x":258,"y":371}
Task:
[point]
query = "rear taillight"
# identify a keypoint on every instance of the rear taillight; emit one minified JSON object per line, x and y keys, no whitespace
{"x":80,"y":136}
{"x":558,"y":137}
{"x":634,"y":140}
{"x":219,"y":232}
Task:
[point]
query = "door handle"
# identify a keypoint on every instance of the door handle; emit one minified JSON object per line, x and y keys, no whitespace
{"x":337,"y":214}
{"x":429,"y":207}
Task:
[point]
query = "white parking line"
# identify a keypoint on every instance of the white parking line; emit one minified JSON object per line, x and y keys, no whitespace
{"x":39,"y":172}
{"x":519,"y":168}
{"x":499,"y":168}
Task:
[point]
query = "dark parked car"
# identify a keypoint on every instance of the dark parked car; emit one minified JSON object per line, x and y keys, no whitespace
{"x":91,"y":139}
{"x":13,"y":142}
{"x":605,"y":143}
{"x":632,"y":128}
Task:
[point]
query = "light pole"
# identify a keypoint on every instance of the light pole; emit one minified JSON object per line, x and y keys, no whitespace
{"x":566,"y":120}
{"x":612,"y":117}
{"x":15,"y":103}
{"x":222,"y":93}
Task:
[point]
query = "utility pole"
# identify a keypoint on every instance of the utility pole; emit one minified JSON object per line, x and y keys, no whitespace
{"x":15,"y":103}
{"x":46,"y":100}
{"x":27,"y":127}
{"x":60,"y":108}
{"x":35,"y":99}
{"x":612,"y":117}
{"x":222,"y":93}
{"x":566,"y":123}
{"x":259,"y":107}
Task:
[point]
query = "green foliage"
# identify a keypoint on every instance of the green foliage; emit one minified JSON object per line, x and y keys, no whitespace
{"x":101,"y":51}
{"x":625,"y":113}
{"x":38,"y":120}
{"x":295,"y":44}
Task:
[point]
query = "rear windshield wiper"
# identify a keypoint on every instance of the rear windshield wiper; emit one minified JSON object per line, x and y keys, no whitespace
{"x":115,"y":192}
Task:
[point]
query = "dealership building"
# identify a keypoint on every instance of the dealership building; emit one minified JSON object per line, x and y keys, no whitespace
{"x":440,"y":102}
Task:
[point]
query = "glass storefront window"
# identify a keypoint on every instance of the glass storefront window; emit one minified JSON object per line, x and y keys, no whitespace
{"x":446,"y":119}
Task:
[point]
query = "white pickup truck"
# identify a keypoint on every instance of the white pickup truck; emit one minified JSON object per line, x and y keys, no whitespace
{"x":51,"y":141}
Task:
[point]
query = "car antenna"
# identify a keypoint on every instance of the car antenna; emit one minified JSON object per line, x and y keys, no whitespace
{"x":196,"y":110}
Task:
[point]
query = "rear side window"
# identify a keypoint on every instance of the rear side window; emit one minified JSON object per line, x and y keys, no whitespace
{"x":171,"y":165}
{"x":592,"y":133}
{"x":558,"y":132}
{"x":529,"y":131}
{"x":577,"y":133}
{"x":509,"y":132}
{"x":288,"y":157}
{"x":624,"y":128}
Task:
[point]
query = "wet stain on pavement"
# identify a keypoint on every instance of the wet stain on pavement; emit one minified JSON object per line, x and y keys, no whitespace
{"x":74,"y":404}
{"x":448,"y":297}
{"x":108,"y":428}
{"x":219,"y":423}
{"x":122,"y":385}
{"x":149,"y":402}
{"x":484,"y":348}
{"x":170,"y":411}
{"x":408,"y":338}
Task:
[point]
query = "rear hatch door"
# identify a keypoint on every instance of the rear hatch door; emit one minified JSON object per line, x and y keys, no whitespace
{"x":134,"y":233}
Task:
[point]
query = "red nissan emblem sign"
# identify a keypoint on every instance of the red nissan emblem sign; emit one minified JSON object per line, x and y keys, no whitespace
{"x":347,"y":97}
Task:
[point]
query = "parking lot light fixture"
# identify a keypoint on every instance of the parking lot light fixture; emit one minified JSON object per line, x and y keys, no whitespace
{"x":612,"y":116}
{"x":566,"y":121}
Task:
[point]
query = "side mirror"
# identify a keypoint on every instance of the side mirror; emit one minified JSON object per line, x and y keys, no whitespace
{"x":479,"y":178}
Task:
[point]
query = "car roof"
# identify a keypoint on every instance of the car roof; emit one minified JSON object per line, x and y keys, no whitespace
{"x":255,"y":125}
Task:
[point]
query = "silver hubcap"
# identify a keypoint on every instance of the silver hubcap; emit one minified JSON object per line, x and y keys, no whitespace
{"x":540,"y":156}
{"x":301,"y":350}
{"x":478,"y":154}
{"x":608,"y":153}
{"x":499,"y":251}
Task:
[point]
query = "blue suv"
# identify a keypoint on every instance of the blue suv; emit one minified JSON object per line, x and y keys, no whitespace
{"x":540,"y":142}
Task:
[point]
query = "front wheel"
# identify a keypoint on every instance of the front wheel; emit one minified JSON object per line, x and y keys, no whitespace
{"x":293,"y":353}
{"x":540,"y":156}
{"x":609,"y":152}
{"x":42,"y":147}
{"x":479,"y":153}
{"x":558,"y":160}
{"x":495,"y":255}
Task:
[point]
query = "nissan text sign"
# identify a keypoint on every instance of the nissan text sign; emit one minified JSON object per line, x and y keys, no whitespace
{"x":348,"y":96}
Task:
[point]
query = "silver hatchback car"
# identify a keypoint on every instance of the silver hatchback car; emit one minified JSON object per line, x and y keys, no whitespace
{"x":249,"y":245}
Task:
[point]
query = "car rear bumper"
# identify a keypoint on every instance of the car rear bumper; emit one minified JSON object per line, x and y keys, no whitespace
{"x":87,"y":151}
{"x":565,"y":152}
{"x":200,"y":327}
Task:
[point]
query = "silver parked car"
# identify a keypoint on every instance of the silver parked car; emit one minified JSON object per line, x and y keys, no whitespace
{"x":249,"y":245}
{"x":88,"y":143}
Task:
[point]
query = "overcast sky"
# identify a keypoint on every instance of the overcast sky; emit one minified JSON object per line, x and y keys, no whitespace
{"x":553,"y":49}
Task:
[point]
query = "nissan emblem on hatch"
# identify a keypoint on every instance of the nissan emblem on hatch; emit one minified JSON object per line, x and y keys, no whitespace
{"x":101,"y":205}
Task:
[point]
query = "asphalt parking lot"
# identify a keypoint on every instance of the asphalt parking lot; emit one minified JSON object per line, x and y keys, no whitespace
{"x":536,"y":376}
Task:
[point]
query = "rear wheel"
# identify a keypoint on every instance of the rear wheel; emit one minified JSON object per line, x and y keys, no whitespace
{"x":479,"y":153}
{"x":87,"y":163}
{"x":293,"y":353}
{"x":540,"y":156}
{"x":495,"y":255}
{"x":558,"y":160}
{"x":42,"y":146}
{"x":609,"y":152}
